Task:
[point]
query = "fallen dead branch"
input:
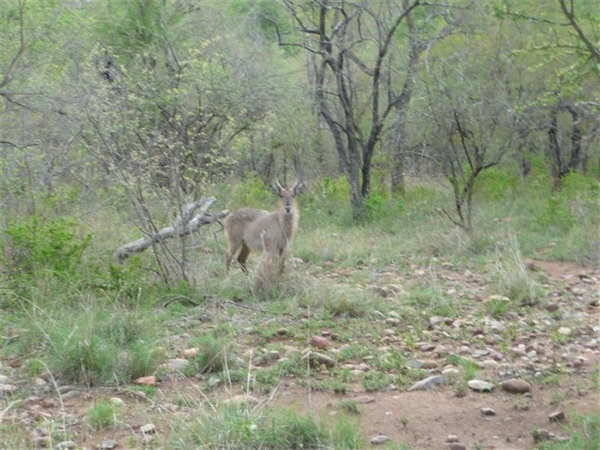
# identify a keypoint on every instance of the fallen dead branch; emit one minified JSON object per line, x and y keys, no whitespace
{"x":188,"y":222}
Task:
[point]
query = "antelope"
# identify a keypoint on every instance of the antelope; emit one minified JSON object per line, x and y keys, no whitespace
{"x":262,"y":231}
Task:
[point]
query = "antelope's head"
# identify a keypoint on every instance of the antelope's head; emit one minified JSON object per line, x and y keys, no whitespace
{"x":287,"y":195}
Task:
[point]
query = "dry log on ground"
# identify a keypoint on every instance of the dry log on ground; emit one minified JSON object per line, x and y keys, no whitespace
{"x":186,"y":223}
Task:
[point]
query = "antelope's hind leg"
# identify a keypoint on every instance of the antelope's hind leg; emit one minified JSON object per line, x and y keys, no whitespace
{"x":243,"y":256}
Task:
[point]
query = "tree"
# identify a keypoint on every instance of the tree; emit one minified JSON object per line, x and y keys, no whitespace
{"x":565,"y":58}
{"x":350,"y":45}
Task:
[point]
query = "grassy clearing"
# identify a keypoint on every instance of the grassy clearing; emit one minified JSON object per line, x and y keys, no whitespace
{"x":70,"y":310}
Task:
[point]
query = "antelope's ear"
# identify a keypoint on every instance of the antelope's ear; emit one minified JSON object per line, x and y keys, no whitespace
{"x":299,"y":188}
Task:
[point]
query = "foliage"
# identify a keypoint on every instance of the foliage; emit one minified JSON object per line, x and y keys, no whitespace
{"x":102,"y":415}
{"x":36,"y":244}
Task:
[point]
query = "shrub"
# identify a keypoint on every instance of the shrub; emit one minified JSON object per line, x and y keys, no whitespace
{"x":102,"y":415}
{"x":36,"y":244}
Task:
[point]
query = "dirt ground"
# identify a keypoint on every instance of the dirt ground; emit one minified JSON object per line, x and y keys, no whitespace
{"x":435,"y":419}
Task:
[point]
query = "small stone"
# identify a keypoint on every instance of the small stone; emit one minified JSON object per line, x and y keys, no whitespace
{"x":427,"y":347}
{"x":557,"y":416}
{"x":496,"y":298}
{"x":177,"y":364}
{"x":392,"y":321}
{"x":489,"y":364}
{"x":108,"y":444}
{"x":552,"y":307}
{"x":565,"y":331}
{"x":4,"y":379}
{"x":488,"y":412}
{"x":41,"y":442}
{"x":320,"y":342}
{"x":463,"y":350}
{"x":456,"y":446}
{"x":39,"y":382}
{"x":282,"y":332}
{"x":149,"y":428}
{"x":452,"y":438}
{"x":540,"y":435}
{"x":74,"y":393}
{"x":428,"y":383}
{"x":319,"y":359}
{"x":7,"y":388}
{"x":516,"y":385}
{"x":146,"y":381}
{"x":364,"y":399}
{"x":241,"y":399}
{"x":67,"y":445}
{"x":480,"y":385}
{"x":380,"y":439}
{"x":117,"y":401}
{"x":190,"y":352}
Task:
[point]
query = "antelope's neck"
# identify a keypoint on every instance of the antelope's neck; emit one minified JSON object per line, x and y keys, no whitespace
{"x":289,"y":223}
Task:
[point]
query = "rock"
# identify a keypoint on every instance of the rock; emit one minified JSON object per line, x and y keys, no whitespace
{"x":190,"y":352}
{"x":415,"y":363}
{"x":456,"y":446}
{"x":496,"y":298}
{"x":380,"y":439}
{"x":320,"y":342}
{"x":41,"y":442}
{"x":488,"y":412}
{"x":540,"y":435}
{"x":427,"y":347}
{"x":463,"y":350}
{"x":557,"y":416}
{"x":565,"y":331}
{"x":4,"y":379}
{"x":428,"y":383}
{"x":364,"y":399}
{"x":489,"y":364}
{"x":67,"y":444}
{"x":149,"y":428}
{"x":480,"y":386}
{"x":74,"y":393}
{"x":7,"y":389}
{"x":282,"y":332}
{"x":552,"y":307}
{"x":516,"y":385}
{"x":146,"y":381}
{"x":318,"y":359}
{"x":177,"y":364}
{"x":108,"y":444}
{"x":241,"y":400}
{"x":452,"y":438}
{"x":392,"y":321}
{"x":117,"y":401}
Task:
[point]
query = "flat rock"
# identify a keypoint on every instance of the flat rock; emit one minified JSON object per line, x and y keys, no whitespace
{"x":241,"y":400}
{"x":480,"y":386}
{"x":516,"y":385}
{"x":146,"y":381}
{"x":380,"y":439}
{"x":428,"y":383}
{"x":557,"y":416}
{"x":488,"y":412}
{"x":320,"y":342}
{"x":321,"y":359}
{"x":149,"y":428}
{"x":364,"y":399}
{"x":108,"y":444}
{"x":177,"y":364}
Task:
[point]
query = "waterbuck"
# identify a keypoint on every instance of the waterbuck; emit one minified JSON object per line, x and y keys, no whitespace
{"x":262,"y":231}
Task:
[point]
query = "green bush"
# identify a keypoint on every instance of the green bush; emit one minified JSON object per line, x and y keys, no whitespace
{"x":35,"y":244}
{"x":497,"y":184}
{"x":98,"y":348}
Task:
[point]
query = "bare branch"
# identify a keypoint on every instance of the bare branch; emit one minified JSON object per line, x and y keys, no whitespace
{"x":183,"y":225}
